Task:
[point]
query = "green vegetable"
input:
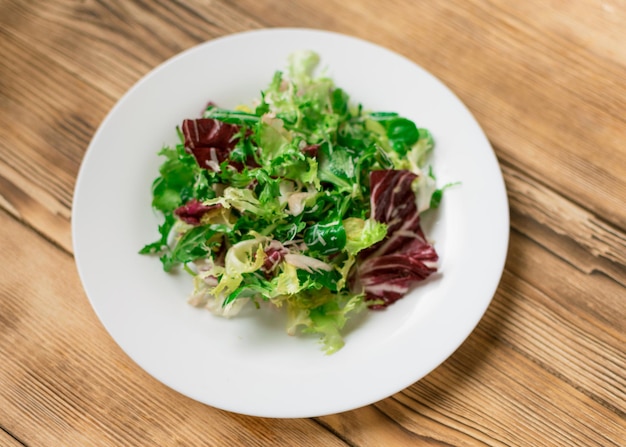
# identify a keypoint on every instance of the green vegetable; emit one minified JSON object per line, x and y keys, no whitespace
{"x":361,"y":234}
{"x":287,"y":223}
{"x":325,"y":238}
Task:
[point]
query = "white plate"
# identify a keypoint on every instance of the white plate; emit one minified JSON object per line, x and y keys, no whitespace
{"x":248,"y":364}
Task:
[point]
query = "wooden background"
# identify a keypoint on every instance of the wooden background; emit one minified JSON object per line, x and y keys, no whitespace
{"x":546,"y":80}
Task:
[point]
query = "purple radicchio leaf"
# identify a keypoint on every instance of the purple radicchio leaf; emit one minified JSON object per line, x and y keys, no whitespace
{"x":193,"y":211}
{"x":210,"y":141}
{"x":389,"y":269}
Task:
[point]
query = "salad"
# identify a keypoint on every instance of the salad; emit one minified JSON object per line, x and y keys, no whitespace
{"x":302,"y":200}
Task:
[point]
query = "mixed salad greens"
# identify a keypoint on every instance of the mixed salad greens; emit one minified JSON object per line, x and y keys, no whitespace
{"x":303,"y":200}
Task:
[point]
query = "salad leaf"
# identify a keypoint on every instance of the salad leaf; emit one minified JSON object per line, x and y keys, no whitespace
{"x":389,"y":269}
{"x":325,"y":238}
{"x":177,"y":175}
{"x":363,"y":233}
{"x":301,"y":200}
{"x":331,"y":317}
{"x":402,"y":132}
{"x":193,"y":244}
{"x":336,"y":166}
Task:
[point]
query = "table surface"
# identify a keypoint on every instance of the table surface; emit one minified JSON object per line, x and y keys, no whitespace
{"x":546,"y":364}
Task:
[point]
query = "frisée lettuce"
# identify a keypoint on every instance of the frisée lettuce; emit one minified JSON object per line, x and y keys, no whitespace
{"x":301,"y":200}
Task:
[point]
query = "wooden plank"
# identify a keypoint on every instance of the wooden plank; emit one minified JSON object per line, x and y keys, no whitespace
{"x":594,"y":297}
{"x":489,"y":394}
{"x":586,"y":241}
{"x":112,"y":44}
{"x":375,"y":426}
{"x":7,"y":440}
{"x":581,"y":351}
{"x":63,"y":381}
{"x":45,"y":136}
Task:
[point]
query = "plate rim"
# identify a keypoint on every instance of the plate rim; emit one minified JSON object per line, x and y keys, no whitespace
{"x":319,"y":410}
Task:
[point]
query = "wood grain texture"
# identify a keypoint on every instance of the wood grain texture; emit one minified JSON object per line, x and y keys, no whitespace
{"x":8,"y":440}
{"x":546,"y":366}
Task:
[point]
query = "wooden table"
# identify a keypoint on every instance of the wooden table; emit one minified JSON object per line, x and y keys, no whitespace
{"x":545,"y":366}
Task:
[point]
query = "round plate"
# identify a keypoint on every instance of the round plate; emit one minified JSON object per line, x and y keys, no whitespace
{"x":248,"y":364}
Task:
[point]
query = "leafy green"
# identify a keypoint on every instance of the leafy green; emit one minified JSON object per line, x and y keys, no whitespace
{"x":336,"y":166}
{"x":401,"y":132}
{"x":284,"y":217}
{"x":161,"y":244}
{"x":331,"y":317}
{"x":193,"y":244}
{"x":325,"y":238}
{"x":361,"y":233}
